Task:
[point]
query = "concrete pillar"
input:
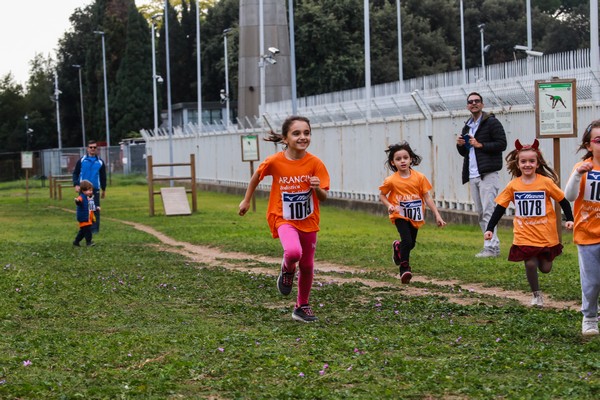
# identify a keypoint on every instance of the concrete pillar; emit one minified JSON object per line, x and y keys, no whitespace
{"x":277,"y":76}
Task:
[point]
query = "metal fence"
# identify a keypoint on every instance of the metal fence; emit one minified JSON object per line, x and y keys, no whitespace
{"x":351,"y":136}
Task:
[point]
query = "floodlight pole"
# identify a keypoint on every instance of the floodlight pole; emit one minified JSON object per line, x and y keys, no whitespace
{"x":101,"y":33}
{"x":81,"y":104}
{"x":198,"y":65}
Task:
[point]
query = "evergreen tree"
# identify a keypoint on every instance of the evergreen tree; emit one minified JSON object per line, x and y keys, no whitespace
{"x":132,"y":97}
{"x":12,"y":111}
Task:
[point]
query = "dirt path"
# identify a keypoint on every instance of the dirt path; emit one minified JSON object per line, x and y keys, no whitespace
{"x":455,"y":291}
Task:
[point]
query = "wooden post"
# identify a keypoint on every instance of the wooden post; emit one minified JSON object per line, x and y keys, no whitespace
{"x":253,"y":195}
{"x":194,"y":186}
{"x":151,"y":185}
{"x":557,"y":208}
{"x":26,"y":185}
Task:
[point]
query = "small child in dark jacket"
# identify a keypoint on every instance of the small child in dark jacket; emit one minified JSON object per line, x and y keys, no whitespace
{"x":85,"y":213}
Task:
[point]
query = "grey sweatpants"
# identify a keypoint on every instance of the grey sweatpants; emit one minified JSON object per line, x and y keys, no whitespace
{"x":483,"y":193}
{"x":589,"y":273}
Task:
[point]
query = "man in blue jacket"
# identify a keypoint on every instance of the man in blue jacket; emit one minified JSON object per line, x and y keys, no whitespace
{"x":91,"y":168}
{"x":481,"y":143}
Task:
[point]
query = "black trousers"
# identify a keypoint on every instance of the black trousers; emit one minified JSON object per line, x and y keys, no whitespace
{"x":84,"y":232}
{"x":408,"y":238}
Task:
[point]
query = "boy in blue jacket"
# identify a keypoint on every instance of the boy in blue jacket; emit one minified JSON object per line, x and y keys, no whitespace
{"x":86,"y":208}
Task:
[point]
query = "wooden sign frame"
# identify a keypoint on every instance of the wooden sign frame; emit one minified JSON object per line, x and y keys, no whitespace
{"x":250,"y":149}
{"x":555,"y":108}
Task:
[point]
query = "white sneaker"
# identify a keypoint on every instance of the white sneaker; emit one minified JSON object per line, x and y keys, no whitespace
{"x":538,"y":299}
{"x":589,"y":327}
{"x":487,"y":253}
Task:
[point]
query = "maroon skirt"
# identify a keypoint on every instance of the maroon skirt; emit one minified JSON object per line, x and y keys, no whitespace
{"x":522,"y":253}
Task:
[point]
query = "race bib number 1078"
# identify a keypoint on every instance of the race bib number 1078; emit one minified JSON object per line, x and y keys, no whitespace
{"x":530,"y":204}
{"x":297,"y":206}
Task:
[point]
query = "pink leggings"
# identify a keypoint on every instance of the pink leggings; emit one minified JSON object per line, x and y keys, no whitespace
{"x":299,"y":249}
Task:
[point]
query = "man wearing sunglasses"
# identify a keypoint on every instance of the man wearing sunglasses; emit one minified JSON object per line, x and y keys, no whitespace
{"x":481,"y":143}
{"x":92,"y":168}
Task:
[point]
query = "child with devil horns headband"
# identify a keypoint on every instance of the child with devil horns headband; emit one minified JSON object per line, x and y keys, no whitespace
{"x":535,"y":239}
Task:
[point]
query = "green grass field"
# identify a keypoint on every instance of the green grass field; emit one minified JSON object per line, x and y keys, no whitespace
{"x":126,"y":319}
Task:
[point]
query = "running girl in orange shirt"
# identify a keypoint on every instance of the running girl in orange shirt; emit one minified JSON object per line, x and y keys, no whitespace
{"x":300,"y":182}
{"x":583,"y":187}
{"x":535,"y":239}
{"x":403,"y":193}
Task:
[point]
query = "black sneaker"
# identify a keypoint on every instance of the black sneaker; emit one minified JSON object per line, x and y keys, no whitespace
{"x":76,"y":244}
{"x":90,"y":244}
{"x":285,"y":281}
{"x":405,"y":274}
{"x":304,"y":314}
{"x":396,"y":252}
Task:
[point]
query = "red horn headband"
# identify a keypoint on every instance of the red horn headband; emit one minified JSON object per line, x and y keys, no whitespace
{"x":533,"y":146}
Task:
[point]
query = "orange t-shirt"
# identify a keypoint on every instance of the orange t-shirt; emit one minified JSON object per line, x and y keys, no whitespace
{"x":407,"y":195}
{"x":587,"y":207}
{"x":534,"y":223}
{"x":292,"y":201}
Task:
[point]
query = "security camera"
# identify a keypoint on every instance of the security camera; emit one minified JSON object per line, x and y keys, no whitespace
{"x":224,"y":97}
{"x":521,"y":47}
{"x":274,"y":50}
{"x":481,"y":26}
{"x":271,"y":60}
{"x":534,"y":53}
{"x":159,"y":79}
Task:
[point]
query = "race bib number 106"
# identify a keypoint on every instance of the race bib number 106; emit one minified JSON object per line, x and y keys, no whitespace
{"x":592,"y":186}
{"x":297,"y":206}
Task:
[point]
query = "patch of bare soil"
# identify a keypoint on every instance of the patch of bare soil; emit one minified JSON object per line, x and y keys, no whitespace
{"x":453,"y":290}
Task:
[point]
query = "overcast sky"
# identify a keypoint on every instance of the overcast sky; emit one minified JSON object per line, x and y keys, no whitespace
{"x":30,"y":27}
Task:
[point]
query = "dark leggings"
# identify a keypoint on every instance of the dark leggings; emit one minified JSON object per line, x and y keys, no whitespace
{"x":84,"y":232}
{"x":408,"y":238}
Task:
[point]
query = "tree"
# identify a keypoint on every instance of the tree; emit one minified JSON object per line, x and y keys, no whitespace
{"x":132,"y":97}
{"x":12,"y":111}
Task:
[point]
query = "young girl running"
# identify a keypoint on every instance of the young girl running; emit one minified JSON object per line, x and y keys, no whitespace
{"x":300,"y":182}
{"x":535,"y":239}
{"x":583,"y":187}
{"x":403,"y":193}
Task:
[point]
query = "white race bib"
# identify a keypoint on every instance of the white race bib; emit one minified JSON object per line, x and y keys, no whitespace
{"x":530,"y":204}
{"x":412,"y":210}
{"x":592,"y":186}
{"x":297,"y":206}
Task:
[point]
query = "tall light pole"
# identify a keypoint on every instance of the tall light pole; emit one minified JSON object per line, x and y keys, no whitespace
{"x":155,"y":77}
{"x":481,"y":29}
{"x":261,"y":62}
{"x":227,"y":96}
{"x":292,"y":56}
{"x":400,"y":63}
{"x":367,"y":58}
{"x":198,"y":65}
{"x":462,"y":43}
{"x":594,"y":61}
{"x":28,"y":131}
{"x":101,"y":33}
{"x":81,"y":103}
{"x":169,"y":106}
{"x":56,"y":96}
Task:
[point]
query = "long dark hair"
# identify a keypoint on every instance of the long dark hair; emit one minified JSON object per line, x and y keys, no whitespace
{"x":585,"y":139}
{"x":285,"y":128}
{"x":393,"y":148}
